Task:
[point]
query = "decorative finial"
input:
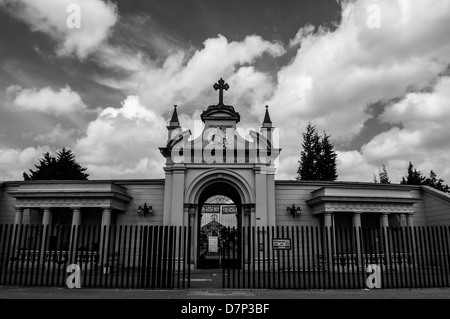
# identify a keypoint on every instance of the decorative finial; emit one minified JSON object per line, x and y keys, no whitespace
{"x":221,"y":85}
{"x":174,"y":118}
{"x":267,"y":121}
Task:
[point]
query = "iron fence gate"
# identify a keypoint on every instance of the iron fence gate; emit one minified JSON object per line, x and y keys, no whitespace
{"x":252,"y":257}
{"x":338,"y":258}
{"x":112,"y":256}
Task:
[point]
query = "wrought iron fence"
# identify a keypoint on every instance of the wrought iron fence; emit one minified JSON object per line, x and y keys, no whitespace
{"x":335,"y":258}
{"x":114,"y":256}
{"x":250,"y":257}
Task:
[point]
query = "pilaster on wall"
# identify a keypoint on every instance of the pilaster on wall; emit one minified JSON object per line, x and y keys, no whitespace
{"x":261,"y":198}
{"x":177,"y":209}
{"x":265,"y":196}
{"x":167,"y":197}
{"x":271,"y":199}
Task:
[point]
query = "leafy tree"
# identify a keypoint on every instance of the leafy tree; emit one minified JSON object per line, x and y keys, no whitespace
{"x":318,"y":158}
{"x":61,"y":167}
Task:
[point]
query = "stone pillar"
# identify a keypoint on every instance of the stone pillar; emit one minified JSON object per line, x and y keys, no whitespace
{"x":46,"y":224}
{"x":47,"y":217}
{"x":356,"y":219}
{"x":106,"y":217}
{"x":253,"y":215}
{"x":246,"y":215}
{"x":167,"y":197}
{"x":247,"y":222}
{"x":357,"y":232}
{"x":194,"y":231}
{"x":385,"y":220}
{"x":176,"y":212}
{"x":327,"y":223}
{"x":76,"y":216}
{"x":76,"y":222}
{"x":409,"y":220}
{"x":271,"y":216}
{"x":19,"y":216}
{"x":327,"y":220}
{"x":411,"y":243}
{"x":385,"y":226}
{"x":104,"y":234}
{"x":261,"y":198}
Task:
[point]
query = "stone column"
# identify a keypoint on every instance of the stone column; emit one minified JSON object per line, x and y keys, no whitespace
{"x":46,"y":224}
{"x":327,"y":220}
{"x":194,"y":232}
{"x":385,"y":220}
{"x":76,"y":216}
{"x":327,"y":223}
{"x":167,"y":197}
{"x":47,"y":217}
{"x":104,"y":234}
{"x":385,"y":227}
{"x":271,"y":218}
{"x":411,"y":244}
{"x":357,"y":232}
{"x":261,"y":198}
{"x":246,"y":216}
{"x":19,"y":216}
{"x":252,"y":215}
{"x":409,"y":220}
{"x":76,"y":222}
{"x":176,"y":213}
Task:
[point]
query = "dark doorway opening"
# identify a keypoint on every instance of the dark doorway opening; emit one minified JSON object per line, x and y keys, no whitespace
{"x":218,"y":224}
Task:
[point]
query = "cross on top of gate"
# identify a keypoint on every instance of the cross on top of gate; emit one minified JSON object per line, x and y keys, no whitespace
{"x":221,"y":85}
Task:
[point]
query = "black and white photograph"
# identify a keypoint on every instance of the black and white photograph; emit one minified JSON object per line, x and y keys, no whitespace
{"x":212,"y":157}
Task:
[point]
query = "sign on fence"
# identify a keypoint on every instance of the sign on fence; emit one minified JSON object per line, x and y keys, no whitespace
{"x":281,"y":244}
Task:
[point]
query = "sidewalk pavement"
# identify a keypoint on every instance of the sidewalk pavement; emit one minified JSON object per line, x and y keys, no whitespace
{"x":10,"y":292}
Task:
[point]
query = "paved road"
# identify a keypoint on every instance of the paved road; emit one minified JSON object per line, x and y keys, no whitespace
{"x":65,"y":293}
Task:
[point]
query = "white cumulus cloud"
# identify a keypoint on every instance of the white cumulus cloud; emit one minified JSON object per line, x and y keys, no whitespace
{"x":123,"y":143}
{"x":97,"y":18}
{"x":46,"y":100}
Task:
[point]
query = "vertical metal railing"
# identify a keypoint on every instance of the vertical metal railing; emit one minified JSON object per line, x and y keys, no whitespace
{"x":152,"y":257}
{"x":337,"y":258}
{"x":128,"y":256}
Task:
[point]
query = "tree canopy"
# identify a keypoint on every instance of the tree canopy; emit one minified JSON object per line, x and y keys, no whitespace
{"x":383,"y":176}
{"x":318,"y":158}
{"x":415,"y":177}
{"x":62,"y":167}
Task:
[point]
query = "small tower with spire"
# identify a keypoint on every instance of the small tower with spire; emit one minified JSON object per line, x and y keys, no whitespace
{"x":267,"y":123}
{"x":267,"y":128}
{"x":174,"y":123}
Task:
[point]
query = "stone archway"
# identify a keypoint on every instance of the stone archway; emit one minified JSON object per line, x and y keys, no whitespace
{"x":218,"y":225}
{"x":223,"y":182}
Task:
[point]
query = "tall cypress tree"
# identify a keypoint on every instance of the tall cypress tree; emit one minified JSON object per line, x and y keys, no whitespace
{"x":318,"y":158}
{"x":327,"y":160}
{"x":307,"y":169}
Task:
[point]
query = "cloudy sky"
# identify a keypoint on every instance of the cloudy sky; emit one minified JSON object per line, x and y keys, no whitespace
{"x":373,"y":74}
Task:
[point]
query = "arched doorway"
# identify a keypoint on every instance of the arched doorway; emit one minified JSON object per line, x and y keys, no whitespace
{"x":218,"y":222}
